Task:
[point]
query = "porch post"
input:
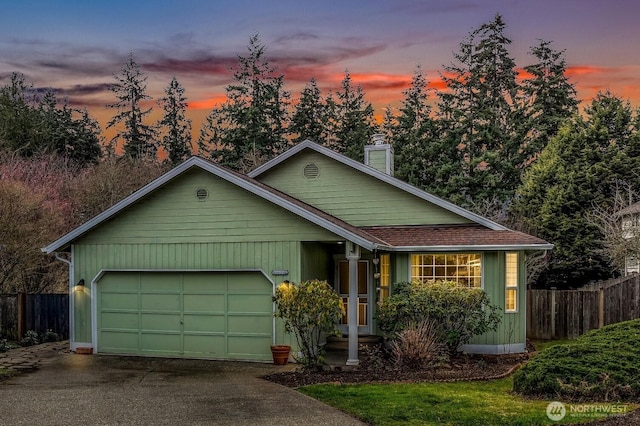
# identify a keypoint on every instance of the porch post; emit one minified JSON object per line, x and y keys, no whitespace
{"x":353,"y":255}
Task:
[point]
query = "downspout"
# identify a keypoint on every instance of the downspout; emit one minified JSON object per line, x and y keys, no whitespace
{"x":71,"y":296}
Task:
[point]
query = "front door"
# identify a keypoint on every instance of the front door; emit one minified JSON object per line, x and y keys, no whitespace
{"x":342,"y":285}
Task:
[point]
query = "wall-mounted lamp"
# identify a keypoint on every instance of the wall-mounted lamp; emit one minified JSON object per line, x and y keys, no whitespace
{"x":81,"y":282}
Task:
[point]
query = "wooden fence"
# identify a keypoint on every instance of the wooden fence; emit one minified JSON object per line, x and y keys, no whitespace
{"x":566,"y":314}
{"x":38,"y":312}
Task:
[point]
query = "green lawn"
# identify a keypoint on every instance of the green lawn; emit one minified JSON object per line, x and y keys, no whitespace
{"x":458,"y":403}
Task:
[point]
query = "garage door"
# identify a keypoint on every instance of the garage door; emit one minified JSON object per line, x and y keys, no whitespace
{"x":221,"y":315}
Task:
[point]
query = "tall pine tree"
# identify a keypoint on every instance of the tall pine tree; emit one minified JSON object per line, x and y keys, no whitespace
{"x":478,"y":115}
{"x":176,"y":127}
{"x":353,"y":123}
{"x":580,"y":168}
{"x":309,"y":121}
{"x":250,"y":127}
{"x":550,"y":98}
{"x":137,"y":137}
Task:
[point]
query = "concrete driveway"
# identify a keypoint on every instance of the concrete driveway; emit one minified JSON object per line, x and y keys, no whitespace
{"x":111,"y":390}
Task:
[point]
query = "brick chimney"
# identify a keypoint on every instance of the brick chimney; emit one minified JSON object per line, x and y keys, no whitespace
{"x":379,"y":155}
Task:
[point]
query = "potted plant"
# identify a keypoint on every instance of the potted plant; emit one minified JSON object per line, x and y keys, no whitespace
{"x":309,"y":310}
{"x":280,"y":354}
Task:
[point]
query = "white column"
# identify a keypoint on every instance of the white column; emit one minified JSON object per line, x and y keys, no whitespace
{"x":353,"y":255}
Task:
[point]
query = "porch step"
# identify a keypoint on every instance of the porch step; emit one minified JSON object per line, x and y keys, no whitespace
{"x":341,"y":343}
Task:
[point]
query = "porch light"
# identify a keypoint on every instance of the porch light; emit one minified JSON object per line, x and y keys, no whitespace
{"x":81,"y":282}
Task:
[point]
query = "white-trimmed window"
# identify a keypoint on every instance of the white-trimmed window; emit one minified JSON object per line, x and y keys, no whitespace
{"x":511,"y":282}
{"x":463,"y":269}
{"x":385,"y":276}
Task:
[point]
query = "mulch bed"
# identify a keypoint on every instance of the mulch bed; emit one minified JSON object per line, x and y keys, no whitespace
{"x":463,"y":368}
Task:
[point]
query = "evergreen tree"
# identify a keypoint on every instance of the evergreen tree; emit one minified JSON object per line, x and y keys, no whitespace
{"x":580,"y":168}
{"x":250,"y":127}
{"x":551,"y":98}
{"x":353,"y":120}
{"x":29,"y":125}
{"x":309,"y":121}
{"x":130,"y":91}
{"x":478,"y":114}
{"x":176,"y":140}
{"x":414,"y":139}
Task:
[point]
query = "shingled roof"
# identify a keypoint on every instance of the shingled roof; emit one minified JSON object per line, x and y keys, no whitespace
{"x":454,"y":237}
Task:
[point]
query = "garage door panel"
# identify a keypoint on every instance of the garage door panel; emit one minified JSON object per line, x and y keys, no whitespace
{"x":206,"y":323}
{"x":245,"y":347}
{"x":160,"y":322}
{"x":159,"y":281}
{"x":204,"y":302}
{"x":249,"y":324}
{"x":205,"y":345}
{"x":205,"y":283}
{"x":119,"y":301}
{"x":223,"y":315}
{"x":121,"y":282}
{"x":161,"y":342}
{"x":119,"y":341}
{"x":160,"y":302}
{"x":249,"y":303}
{"x":120,"y":320}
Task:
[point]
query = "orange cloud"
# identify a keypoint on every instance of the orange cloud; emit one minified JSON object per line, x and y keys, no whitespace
{"x":207,"y":103}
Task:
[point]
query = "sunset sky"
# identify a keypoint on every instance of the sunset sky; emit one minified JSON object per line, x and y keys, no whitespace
{"x":75,"y":47}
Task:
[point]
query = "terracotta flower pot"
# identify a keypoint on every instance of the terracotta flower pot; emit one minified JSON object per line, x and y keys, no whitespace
{"x":280,"y":354}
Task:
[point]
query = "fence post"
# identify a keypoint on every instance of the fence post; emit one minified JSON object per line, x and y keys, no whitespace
{"x":22,"y":314}
{"x":601,"y":309}
{"x":553,"y":312}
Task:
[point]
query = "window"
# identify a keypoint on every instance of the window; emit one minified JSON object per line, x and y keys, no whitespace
{"x":463,"y":269}
{"x":511,"y":283}
{"x":385,"y":276}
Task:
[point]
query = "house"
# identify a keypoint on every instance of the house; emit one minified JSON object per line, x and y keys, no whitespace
{"x":630,"y":225}
{"x":186,"y":266}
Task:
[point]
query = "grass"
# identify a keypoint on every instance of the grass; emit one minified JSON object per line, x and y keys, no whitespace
{"x":458,"y":403}
{"x":5,"y":374}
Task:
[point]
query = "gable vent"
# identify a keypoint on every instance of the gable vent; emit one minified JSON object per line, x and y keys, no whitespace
{"x":202,"y":194}
{"x":311,"y":171}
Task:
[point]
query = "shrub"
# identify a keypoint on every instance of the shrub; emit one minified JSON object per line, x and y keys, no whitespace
{"x":308,"y":309}
{"x":4,"y":345}
{"x":416,"y":345}
{"x":30,"y":338}
{"x":50,"y":336}
{"x":603,"y":365}
{"x":459,"y":312}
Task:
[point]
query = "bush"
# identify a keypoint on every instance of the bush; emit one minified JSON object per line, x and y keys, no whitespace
{"x":459,"y":312}
{"x":416,"y":346}
{"x":30,"y":338}
{"x":50,"y":336}
{"x":308,"y":309}
{"x":4,"y":345}
{"x":602,"y":365}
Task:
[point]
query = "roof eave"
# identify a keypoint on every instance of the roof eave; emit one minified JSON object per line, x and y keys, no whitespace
{"x":480,"y":247}
{"x":66,"y":240}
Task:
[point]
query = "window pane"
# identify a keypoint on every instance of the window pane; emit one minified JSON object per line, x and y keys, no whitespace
{"x":510,"y":302}
{"x":464,"y":269}
{"x":511,"y":275}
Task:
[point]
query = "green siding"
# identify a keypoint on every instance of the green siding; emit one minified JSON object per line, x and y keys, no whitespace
{"x":352,"y":195}
{"x":172,"y":214}
{"x":316,"y":262}
{"x":512,"y":328}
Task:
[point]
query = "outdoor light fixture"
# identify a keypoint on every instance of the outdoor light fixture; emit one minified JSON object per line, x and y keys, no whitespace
{"x":81,"y":282}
